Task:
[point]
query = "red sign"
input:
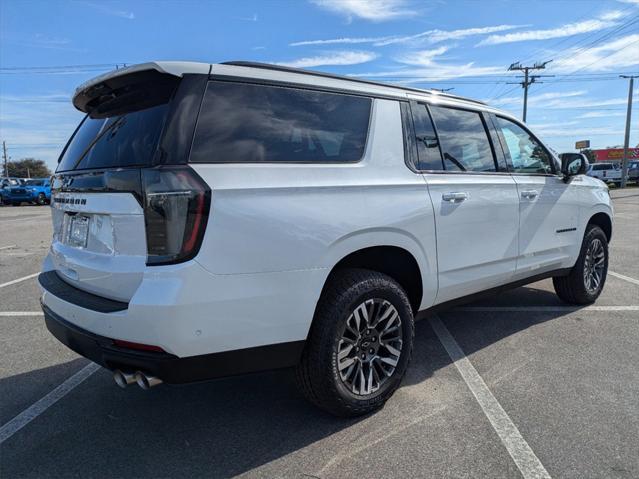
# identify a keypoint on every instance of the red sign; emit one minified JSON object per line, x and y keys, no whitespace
{"x":615,"y":154}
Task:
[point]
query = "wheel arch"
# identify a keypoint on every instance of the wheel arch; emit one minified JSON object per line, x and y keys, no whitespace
{"x":395,"y":254}
{"x":604,"y":221}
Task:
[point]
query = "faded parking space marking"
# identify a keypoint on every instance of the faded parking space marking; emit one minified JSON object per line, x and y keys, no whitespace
{"x":528,"y":463}
{"x":33,"y":411}
{"x":625,"y":278}
{"x":19,"y":280}
{"x":31,"y":218}
{"x":7,"y":247}
{"x":544,"y":309}
{"x":11,"y":314}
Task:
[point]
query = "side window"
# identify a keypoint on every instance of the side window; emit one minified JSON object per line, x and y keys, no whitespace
{"x":430,"y":157}
{"x":463,"y":140}
{"x":527,"y":155}
{"x":246,"y":123}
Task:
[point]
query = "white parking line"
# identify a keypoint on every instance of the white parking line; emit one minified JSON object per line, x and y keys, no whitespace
{"x":7,"y":247}
{"x":526,"y":460}
{"x":544,"y":309}
{"x":15,"y":220}
{"x":11,"y":314}
{"x":625,"y":278}
{"x":19,"y":280}
{"x":33,"y":411}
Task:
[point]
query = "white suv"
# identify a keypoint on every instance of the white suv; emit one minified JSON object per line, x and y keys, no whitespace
{"x":221,"y":219}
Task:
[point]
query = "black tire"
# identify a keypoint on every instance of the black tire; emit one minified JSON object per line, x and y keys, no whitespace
{"x":573,"y":288}
{"x":16,"y":203}
{"x":41,"y":200}
{"x":318,"y":374}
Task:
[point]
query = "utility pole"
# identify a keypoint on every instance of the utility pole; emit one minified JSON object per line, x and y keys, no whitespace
{"x":528,"y":79}
{"x":624,"y":164}
{"x":5,"y":158}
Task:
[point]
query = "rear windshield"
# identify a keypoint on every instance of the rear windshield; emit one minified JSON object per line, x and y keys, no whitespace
{"x":124,"y":140}
{"x":248,"y":123}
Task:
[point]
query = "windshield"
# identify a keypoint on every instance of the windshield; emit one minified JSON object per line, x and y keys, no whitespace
{"x":35,"y":182}
{"x":129,"y":139}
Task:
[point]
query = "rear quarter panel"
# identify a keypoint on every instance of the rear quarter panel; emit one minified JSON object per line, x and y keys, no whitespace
{"x":292,"y":217}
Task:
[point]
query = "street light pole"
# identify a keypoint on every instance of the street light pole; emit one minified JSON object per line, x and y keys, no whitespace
{"x":626,"y":142}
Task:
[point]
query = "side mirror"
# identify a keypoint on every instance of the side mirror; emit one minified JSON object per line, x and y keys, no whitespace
{"x":573,"y":164}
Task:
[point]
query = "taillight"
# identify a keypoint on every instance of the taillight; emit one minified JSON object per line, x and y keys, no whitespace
{"x":176,"y":208}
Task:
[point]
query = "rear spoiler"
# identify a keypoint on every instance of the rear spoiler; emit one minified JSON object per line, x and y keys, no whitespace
{"x":115,"y":90}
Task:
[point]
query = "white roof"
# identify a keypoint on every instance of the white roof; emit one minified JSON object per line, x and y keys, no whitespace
{"x":274,"y":73}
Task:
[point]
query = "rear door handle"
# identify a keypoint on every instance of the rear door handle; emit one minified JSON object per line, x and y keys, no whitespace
{"x":529,"y":194}
{"x":455,"y":196}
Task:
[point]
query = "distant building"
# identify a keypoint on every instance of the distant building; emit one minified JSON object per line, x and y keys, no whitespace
{"x":615,"y":154}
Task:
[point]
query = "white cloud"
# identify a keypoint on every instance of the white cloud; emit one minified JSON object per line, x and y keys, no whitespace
{"x":554,"y":132}
{"x":435,"y":36}
{"x":619,"y":53}
{"x":333,"y":58}
{"x":37,"y":126}
{"x":40,"y":40}
{"x":606,"y":20}
{"x":109,"y":10}
{"x":561,"y":104}
{"x":429,"y":36}
{"x":343,"y":40}
{"x":426,"y":68}
{"x":535,"y":99}
{"x":601,"y":114}
{"x":633,"y":2}
{"x":252,"y":18}
{"x":373,"y":10}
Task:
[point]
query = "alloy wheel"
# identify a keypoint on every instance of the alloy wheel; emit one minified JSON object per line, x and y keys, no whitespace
{"x":594,"y":266}
{"x":370,"y":346}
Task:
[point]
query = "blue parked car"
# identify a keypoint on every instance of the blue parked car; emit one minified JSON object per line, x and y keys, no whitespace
{"x":5,"y":185}
{"x":33,"y":190}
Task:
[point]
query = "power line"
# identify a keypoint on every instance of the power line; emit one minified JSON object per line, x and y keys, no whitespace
{"x":538,"y":52}
{"x":65,"y":67}
{"x":60,"y":69}
{"x":570,"y":49}
{"x":591,"y":64}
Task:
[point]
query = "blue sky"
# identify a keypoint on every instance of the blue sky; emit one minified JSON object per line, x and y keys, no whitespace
{"x":47,"y":48}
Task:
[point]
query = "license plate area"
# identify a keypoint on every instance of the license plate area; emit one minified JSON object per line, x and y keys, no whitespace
{"x":77,"y":230}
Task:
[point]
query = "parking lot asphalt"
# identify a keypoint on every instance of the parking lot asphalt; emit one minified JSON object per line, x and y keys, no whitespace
{"x":566,"y":379}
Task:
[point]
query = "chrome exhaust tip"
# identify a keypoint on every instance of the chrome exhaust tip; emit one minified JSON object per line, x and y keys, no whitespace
{"x":123,"y":379}
{"x":145,"y":381}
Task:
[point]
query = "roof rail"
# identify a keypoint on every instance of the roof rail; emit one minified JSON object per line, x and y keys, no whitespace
{"x":270,"y":66}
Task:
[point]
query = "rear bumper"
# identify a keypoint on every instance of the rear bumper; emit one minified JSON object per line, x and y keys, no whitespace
{"x":188,"y":311}
{"x":208,"y":325}
{"x":170,"y":368}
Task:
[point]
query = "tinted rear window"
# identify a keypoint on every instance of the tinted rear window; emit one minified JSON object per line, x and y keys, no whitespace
{"x":124,"y":140}
{"x":255,"y":123}
{"x":463,"y":140}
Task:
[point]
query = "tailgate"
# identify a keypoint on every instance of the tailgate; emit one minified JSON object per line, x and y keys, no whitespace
{"x":99,"y":242}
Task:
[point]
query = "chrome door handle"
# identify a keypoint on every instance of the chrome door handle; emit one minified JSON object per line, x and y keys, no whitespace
{"x":529,"y":194}
{"x":455,"y":197}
